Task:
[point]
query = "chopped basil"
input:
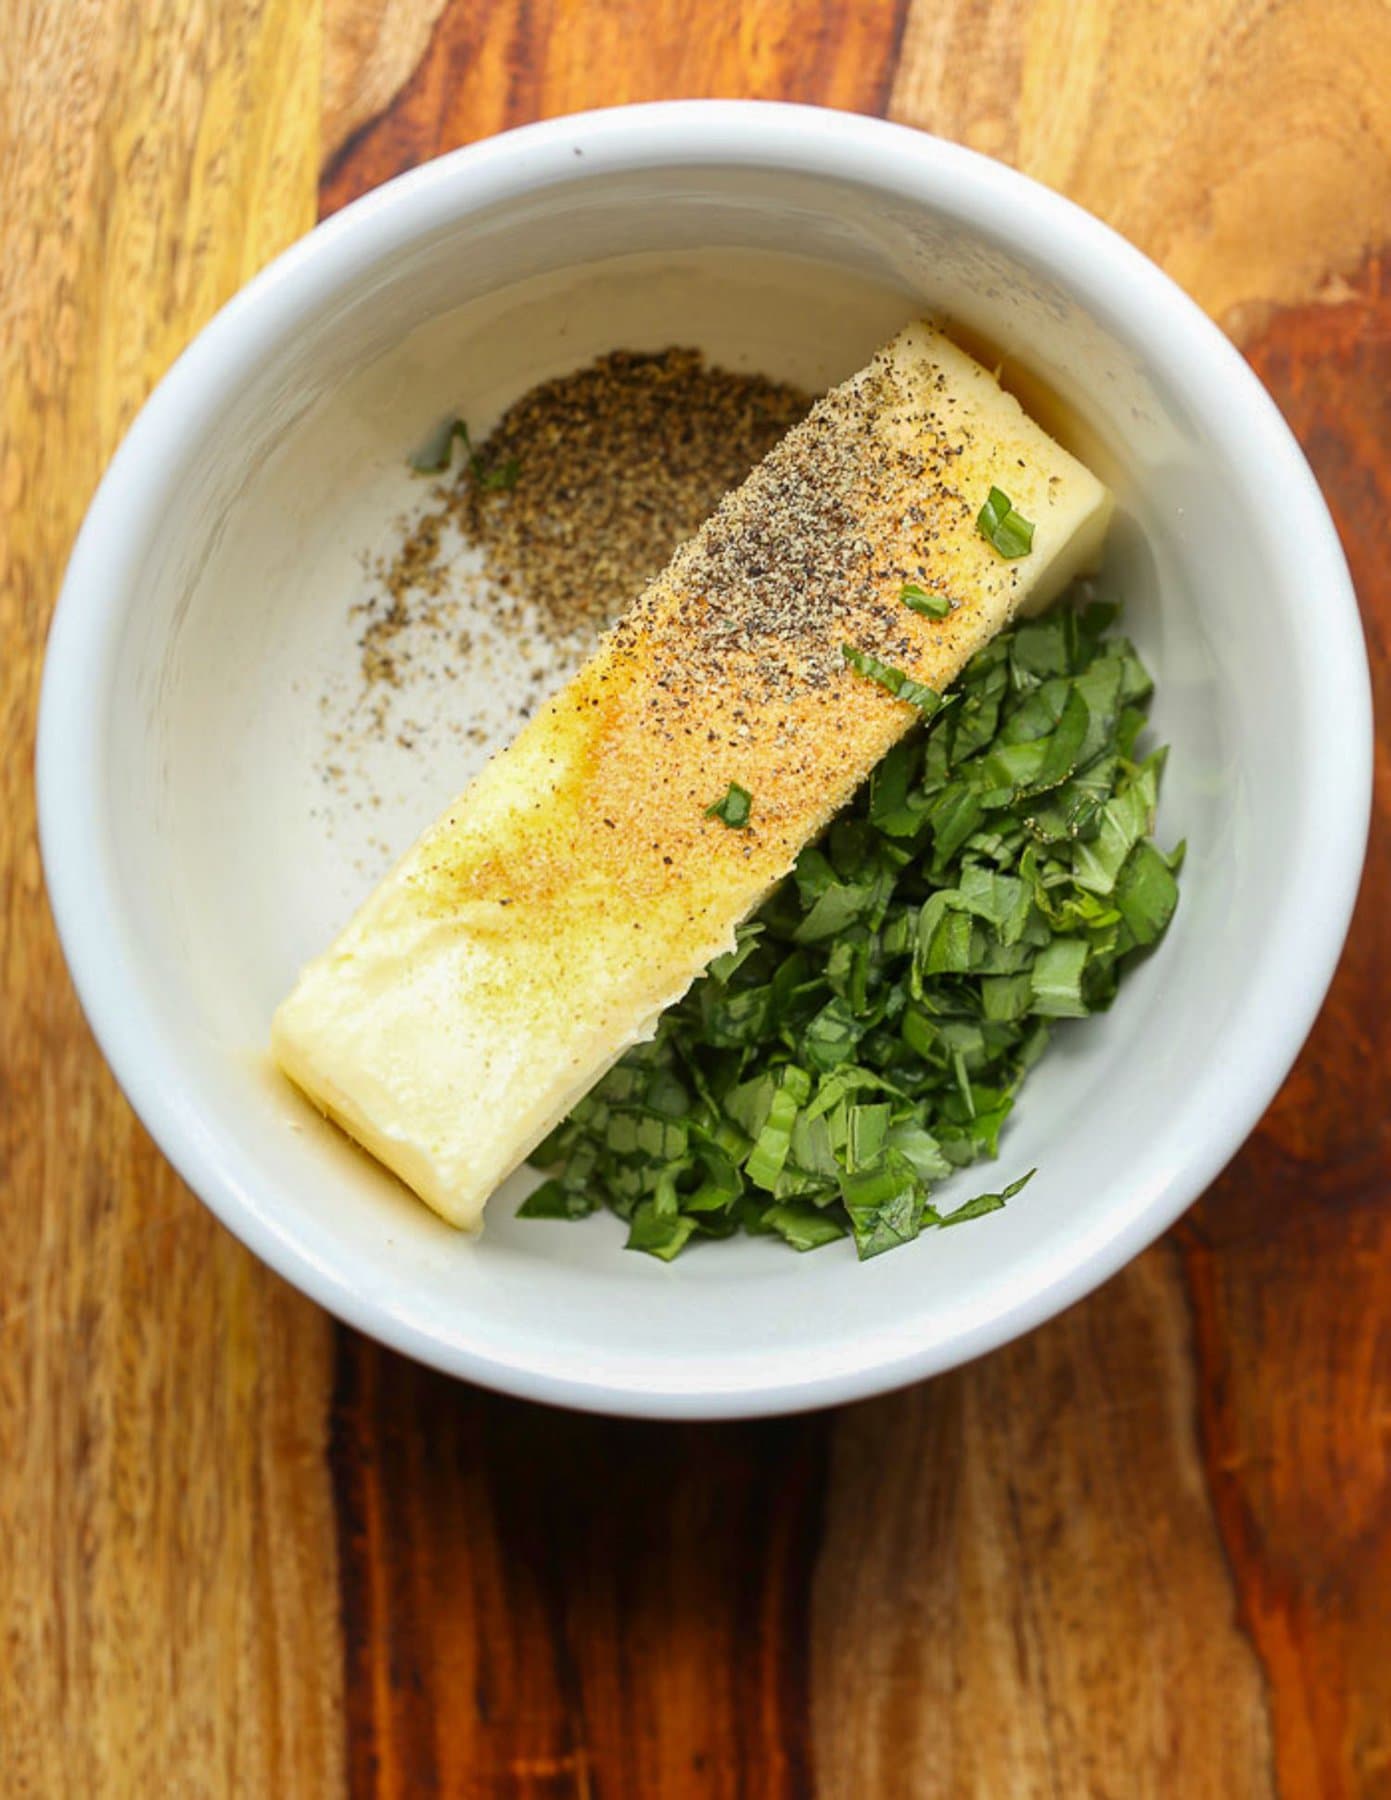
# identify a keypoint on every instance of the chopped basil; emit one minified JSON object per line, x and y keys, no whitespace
{"x":869,"y":1032}
{"x":999,"y":524}
{"x":662,"y":1234}
{"x":986,"y":1203}
{"x":435,"y":457}
{"x":500,"y":475}
{"x":804,"y":1227}
{"x":918,"y":600}
{"x":553,"y":1200}
{"x":901,"y":686}
{"x":733,"y":809}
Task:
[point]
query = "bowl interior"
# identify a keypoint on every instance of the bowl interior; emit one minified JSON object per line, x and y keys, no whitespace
{"x":240,"y":833}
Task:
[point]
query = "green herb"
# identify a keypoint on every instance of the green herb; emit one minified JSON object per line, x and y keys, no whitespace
{"x":733,"y":809}
{"x":999,"y":524}
{"x":926,"y":699}
{"x":500,"y":475}
{"x":986,"y":1203}
{"x":869,"y":1033}
{"x":438,"y":453}
{"x":918,"y":600}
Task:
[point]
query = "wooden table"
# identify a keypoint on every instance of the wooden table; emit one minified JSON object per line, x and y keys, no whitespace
{"x":1146,"y":1551}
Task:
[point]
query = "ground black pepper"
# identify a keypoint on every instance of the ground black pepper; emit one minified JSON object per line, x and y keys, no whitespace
{"x":617,"y":465}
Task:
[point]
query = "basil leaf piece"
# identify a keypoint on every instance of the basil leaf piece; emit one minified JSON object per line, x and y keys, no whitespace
{"x":918,"y":600}
{"x":885,"y":1205}
{"x":500,"y":475}
{"x":805,"y":1227}
{"x":986,"y":1203}
{"x":1146,"y":894}
{"x":733,"y":808}
{"x":663,"y":1235}
{"x":999,"y":524}
{"x":436,"y":454}
{"x":901,"y":686}
{"x":553,"y":1200}
{"x":1056,"y":979}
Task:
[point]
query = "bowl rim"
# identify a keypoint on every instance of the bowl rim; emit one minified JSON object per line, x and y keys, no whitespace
{"x":74,"y":832}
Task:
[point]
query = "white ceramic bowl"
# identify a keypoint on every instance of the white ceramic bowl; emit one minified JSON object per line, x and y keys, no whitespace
{"x":194,"y":857}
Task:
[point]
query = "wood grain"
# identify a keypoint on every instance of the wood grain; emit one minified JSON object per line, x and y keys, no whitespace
{"x":1245,"y":144}
{"x":495,"y":63}
{"x":167,"y":1574}
{"x":370,"y":53}
{"x":1289,"y":1256}
{"x":1041,"y":1604}
{"x":1145,"y":1551}
{"x":540,"y":1603}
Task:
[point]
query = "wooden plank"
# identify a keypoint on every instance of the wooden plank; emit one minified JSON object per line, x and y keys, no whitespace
{"x":1023,"y":1590}
{"x":1244,"y":144}
{"x":167,"y":1562}
{"x":540,"y":1603}
{"x":1288,"y":1256}
{"x":371,"y":49}
{"x":495,"y":63}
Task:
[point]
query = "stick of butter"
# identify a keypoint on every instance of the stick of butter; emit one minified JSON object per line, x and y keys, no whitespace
{"x":580,"y":884}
